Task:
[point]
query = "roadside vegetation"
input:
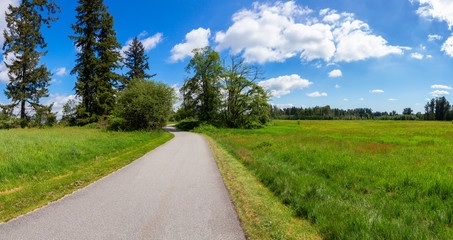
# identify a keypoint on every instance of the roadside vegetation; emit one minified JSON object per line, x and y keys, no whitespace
{"x":42,"y":165}
{"x":354,"y":179}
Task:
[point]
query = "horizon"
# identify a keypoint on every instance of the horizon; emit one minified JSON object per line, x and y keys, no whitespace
{"x":346,"y":54}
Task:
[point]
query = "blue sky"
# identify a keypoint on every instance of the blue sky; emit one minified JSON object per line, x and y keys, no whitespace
{"x":386,"y":55}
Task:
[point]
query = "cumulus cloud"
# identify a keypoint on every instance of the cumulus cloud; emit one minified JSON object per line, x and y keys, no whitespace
{"x":361,"y":99}
{"x":438,"y":93}
{"x":418,"y":56}
{"x":3,"y":8}
{"x":3,"y":73}
{"x":61,"y":71}
{"x":441,"y":10}
{"x":377,"y":91}
{"x":148,"y":42}
{"x":393,"y":99}
{"x":59,"y":101}
{"x":335,"y":73}
{"x":197,"y":38}
{"x":276,"y":32}
{"x":337,"y":86}
{"x":433,"y":37}
{"x":287,"y":105}
{"x":317,"y":94}
{"x":438,"y":86}
{"x":345,"y":99}
{"x":447,"y":47}
{"x":284,"y":84}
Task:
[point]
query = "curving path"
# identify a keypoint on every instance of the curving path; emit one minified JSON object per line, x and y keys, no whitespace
{"x":173,"y":192}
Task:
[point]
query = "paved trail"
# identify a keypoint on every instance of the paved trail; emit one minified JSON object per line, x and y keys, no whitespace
{"x":173,"y":192}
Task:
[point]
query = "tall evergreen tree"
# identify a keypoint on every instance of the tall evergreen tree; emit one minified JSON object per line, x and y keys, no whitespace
{"x":23,"y":41}
{"x":97,"y":60}
{"x":137,"y":61}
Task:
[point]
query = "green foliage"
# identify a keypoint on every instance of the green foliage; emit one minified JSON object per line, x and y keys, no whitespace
{"x":137,"y":61}
{"x":117,"y":124}
{"x":246,"y":102}
{"x":44,"y":116}
{"x":69,"y":117}
{"x":145,"y":104}
{"x":187,"y":125}
{"x":201,"y":92}
{"x":96,"y":62}
{"x":438,"y":109}
{"x":355,"y":179}
{"x":28,"y":79}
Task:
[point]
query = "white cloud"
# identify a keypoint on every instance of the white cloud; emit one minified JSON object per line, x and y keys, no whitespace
{"x":345,"y":99}
{"x":447,"y":47}
{"x":3,"y":8}
{"x":151,"y":42}
{"x":288,"y":105}
{"x":337,"y":86}
{"x":276,"y":32}
{"x":433,"y":37}
{"x":393,"y":99}
{"x":377,"y":91}
{"x":197,"y":38}
{"x":335,"y":73}
{"x":317,"y":94}
{"x":440,"y":86}
{"x":441,"y":10}
{"x":3,"y":73}
{"x":438,"y":93}
{"x":429,"y":56}
{"x":284,"y":84}
{"x":361,"y":99}
{"x":61,"y":71}
{"x":418,"y":56}
{"x":148,"y":43}
{"x":59,"y":101}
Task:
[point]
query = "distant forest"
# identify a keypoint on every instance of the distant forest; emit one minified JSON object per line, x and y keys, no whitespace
{"x":436,"y":109}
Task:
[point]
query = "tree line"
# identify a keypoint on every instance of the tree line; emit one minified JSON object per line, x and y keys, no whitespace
{"x":435,"y":109}
{"x":103,"y":93}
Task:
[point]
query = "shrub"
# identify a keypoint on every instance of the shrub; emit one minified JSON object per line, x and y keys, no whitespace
{"x":145,"y":104}
{"x":187,"y":125}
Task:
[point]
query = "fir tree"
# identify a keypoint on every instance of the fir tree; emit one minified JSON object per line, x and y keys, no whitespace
{"x":96,"y":61}
{"x":137,"y":61}
{"x":23,"y":40}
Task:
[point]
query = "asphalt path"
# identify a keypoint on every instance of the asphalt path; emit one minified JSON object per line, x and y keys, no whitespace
{"x":173,"y":192}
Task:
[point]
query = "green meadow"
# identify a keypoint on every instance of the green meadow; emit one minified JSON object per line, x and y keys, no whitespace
{"x":42,"y":165}
{"x":355,"y":179}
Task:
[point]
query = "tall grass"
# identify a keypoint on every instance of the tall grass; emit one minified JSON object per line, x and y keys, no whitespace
{"x":41,"y":165}
{"x":356,"y":179}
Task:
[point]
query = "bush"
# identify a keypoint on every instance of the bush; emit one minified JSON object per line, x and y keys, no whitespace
{"x":145,"y":104}
{"x":187,"y":125}
{"x":117,"y":124}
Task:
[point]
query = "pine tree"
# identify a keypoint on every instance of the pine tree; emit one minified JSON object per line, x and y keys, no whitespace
{"x":96,"y":61}
{"x":23,"y":40}
{"x":137,"y":61}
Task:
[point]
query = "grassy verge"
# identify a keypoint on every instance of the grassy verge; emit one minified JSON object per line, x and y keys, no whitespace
{"x":262,"y":214}
{"x":355,"y":179}
{"x":40,"y":166}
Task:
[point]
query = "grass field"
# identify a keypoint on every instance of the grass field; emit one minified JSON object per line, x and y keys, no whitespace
{"x":42,"y":165}
{"x":355,"y":179}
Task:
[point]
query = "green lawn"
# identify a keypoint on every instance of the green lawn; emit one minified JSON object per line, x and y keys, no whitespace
{"x":355,"y":179}
{"x":42,"y":165}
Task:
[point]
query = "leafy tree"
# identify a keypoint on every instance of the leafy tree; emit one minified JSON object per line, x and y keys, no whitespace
{"x":407,"y":111}
{"x":245,"y":101}
{"x":69,"y":113}
{"x":201,"y":92}
{"x":438,"y":109}
{"x":23,"y":40}
{"x":145,"y":105}
{"x":137,"y":61}
{"x":96,"y":61}
{"x":44,"y":116}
